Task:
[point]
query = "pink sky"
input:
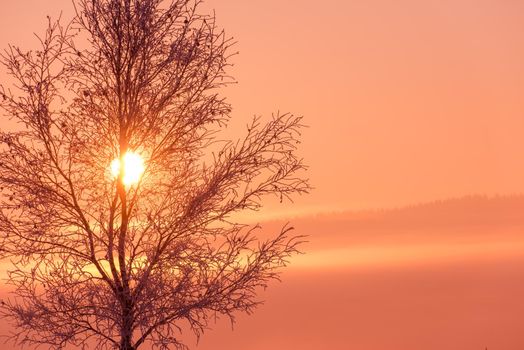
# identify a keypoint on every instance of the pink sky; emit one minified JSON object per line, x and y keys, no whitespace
{"x":407,"y":101}
{"x":428,"y":92}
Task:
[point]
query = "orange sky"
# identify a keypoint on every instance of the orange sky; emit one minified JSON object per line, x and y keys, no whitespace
{"x":407,"y":100}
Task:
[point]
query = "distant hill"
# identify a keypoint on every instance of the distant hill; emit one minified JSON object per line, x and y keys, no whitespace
{"x":469,"y":216}
{"x":465,"y":211}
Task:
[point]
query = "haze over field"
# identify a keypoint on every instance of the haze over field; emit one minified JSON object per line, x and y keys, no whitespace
{"x":442,"y":275}
{"x":439,"y":275}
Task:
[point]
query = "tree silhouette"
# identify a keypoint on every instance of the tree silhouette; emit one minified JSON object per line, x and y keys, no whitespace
{"x":105,"y":263}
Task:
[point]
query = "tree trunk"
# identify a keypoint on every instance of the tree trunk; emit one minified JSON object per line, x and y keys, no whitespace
{"x":126,"y":332}
{"x":125,"y":344}
{"x":126,"y":347}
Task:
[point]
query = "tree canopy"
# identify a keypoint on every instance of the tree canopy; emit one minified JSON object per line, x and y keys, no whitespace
{"x":104,"y":263}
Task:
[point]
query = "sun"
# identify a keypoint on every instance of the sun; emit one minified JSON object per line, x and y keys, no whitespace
{"x":133,"y":168}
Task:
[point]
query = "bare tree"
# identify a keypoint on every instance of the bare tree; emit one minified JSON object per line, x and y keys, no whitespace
{"x":104,"y":262}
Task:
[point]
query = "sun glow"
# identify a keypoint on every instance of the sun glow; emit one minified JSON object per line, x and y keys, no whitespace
{"x":133,"y":168}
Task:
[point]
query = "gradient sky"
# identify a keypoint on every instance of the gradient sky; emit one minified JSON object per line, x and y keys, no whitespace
{"x":406,"y":100}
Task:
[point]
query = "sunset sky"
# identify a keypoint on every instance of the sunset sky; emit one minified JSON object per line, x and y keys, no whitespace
{"x":407,"y":102}
{"x":428,"y":92}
